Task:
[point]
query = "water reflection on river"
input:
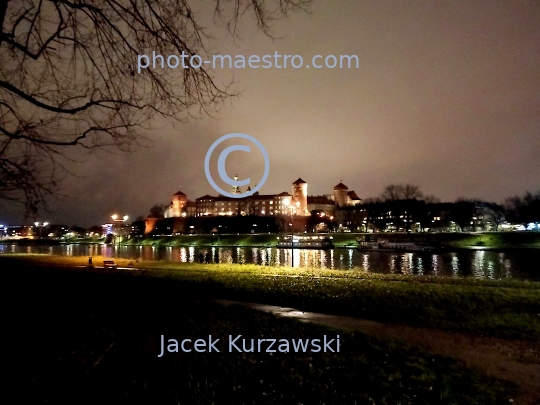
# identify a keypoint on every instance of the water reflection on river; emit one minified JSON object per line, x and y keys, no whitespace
{"x":521,"y":264}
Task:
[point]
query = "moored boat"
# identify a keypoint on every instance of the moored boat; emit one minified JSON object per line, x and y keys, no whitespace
{"x":305,"y":242}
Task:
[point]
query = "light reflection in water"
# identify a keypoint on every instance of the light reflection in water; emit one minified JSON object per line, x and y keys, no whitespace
{"x":393,"y":264}
{"x":455,"y":264}
{"x":478,"y":263}
{"x":296,"y":255}
{"x":241,"y":256}
{"x":435,"y":264}
{"x":323,"y":259}
{"x":365,"y":262}
{"x":255,"y":255}
{"x":490,"y":270}
{"x":183,"y":255}
{"x":271,"y":256}
{"x":405,"y":265}
{"x":507,"y":268}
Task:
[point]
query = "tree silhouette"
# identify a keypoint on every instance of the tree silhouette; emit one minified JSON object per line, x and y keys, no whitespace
{"x":462,"y":213}
{"x":158,"y":211}
{"x":394,"y":192}
{"x":69,"y":77}
{"x":524,"y":210}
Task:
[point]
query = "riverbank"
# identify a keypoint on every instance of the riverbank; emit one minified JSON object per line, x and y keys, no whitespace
{"x":507,"y":309}
{"x":495,"y":240}
{"x":452,"y":241}
{"x":103,"y":347}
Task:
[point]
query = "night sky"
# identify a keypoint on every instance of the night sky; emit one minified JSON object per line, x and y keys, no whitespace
{"x":447,"y":97}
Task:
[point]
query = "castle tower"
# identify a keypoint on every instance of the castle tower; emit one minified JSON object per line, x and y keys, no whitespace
{"x":299,"y":193}
{"x":179,"y":201}
{"x":341,"y":195}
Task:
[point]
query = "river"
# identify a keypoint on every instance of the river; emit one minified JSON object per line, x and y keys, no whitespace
{"x":483,"y":264}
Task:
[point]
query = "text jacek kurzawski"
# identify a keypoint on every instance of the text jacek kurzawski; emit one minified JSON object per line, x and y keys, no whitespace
{"x":238,"y":344}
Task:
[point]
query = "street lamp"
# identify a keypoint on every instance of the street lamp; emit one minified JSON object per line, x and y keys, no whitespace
{"x":39,"y":226}
{"x":118,"y":224}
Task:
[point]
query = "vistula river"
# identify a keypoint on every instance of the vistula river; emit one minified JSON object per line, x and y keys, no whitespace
{"x":484,"y":264}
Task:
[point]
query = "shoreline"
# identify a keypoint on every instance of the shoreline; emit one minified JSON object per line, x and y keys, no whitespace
{"x":444,"y":242}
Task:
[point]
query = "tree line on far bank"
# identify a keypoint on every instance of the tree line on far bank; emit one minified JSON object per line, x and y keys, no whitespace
{"x":403,"y":207}
{"x":406,"y":208}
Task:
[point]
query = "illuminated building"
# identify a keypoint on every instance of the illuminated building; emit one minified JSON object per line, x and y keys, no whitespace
{"x":261,"y":204}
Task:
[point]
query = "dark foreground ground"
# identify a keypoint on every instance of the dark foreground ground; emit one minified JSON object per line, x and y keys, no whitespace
{"x":91,"y":338}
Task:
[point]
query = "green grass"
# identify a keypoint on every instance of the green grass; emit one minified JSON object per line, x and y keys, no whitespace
{"x":491,"y":240}
{"x":499,"y":308}
{"x":243,"y":240}
{"x":90,"y":338}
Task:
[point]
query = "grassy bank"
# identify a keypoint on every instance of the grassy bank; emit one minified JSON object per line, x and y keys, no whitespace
{"x":497,"y":308}
{"x":500,"y":240}
{"x":245,"y":240}
{"x":90,"y":338}
{"x":489,"y":240}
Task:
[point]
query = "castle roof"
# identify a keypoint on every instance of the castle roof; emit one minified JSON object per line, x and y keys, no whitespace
{"x":179,"y":193}
{"x":319,"y":199}
{"x":341,"y":186}
{"x":352,"y":195}
{"x":263,"y":197}
{"x":299,"y":181}
{"x":251,"y":197}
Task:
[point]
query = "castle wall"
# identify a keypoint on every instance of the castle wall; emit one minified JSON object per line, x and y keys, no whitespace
{"x":150,"y":224}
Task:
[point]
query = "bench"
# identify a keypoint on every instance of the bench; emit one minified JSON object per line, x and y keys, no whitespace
{"x":109,"y":264}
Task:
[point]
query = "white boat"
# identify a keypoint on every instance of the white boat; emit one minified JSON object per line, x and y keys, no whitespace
{"x":305,"y":242}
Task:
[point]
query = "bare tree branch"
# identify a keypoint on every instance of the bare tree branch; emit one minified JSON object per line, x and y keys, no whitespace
{"x":68,"y":78}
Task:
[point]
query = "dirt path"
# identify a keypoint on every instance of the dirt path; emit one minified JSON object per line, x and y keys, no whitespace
{"x":512,"y":360}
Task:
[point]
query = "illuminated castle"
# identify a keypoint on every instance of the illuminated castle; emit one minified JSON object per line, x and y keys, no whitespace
{"x":298,"y":203}
{"x":180,"y":207}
